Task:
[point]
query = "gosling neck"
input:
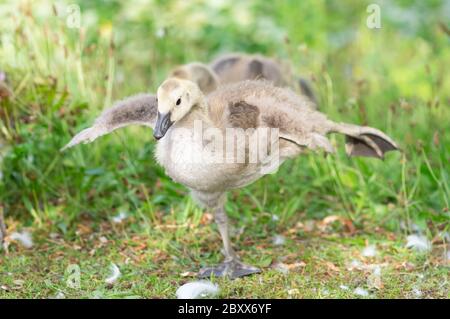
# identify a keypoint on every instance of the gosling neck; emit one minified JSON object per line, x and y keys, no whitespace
{"x":201,"y":102}
{"x":199,"y":111}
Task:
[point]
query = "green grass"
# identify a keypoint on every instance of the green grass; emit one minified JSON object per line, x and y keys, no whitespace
{"x":393,"y":78}
{"x":154,"y":262}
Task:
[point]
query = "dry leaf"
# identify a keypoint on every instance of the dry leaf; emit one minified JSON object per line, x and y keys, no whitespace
{"x":188,"y":274}
{"x":330,"y":219}
{"x":296,"y":265}
{"x":206,"y":219}
{"x":332,"y":267}
{"x":309,"y":226}
{"x":83,"y":230}
{"x":436,"y":138}
{"x":347,"y":223}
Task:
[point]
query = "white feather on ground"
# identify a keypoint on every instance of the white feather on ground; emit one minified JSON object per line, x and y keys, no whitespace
{"x":119,"y":217}
{"x":369,"y":251}
{"x":279,"y":240}
{"x":23,"y":237}
{"x":417,"y":292}
{"x":361,"y":292}
{"x":115,"y":274}
{"x":418,"y":243}
{"x":374,"y":280}
{"x":357,"y":265}
{"x":354,"y":264}
{"x":197,"y":290}
{"x":59,"y":295}
{"x":293,"y":291}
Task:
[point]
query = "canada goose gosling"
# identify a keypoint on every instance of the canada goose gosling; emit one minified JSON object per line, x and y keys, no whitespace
{"x":243,"y":105}
{"x":248,"y":104}
{"x":176,"y":99}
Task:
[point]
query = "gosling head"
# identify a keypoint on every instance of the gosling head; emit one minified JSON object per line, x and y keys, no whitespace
{"x":176,"y":97}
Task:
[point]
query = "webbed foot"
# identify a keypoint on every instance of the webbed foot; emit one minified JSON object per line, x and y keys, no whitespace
{"x":233,"y":269}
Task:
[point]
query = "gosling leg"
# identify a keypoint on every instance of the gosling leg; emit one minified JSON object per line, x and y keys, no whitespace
{"x":232,"y":266}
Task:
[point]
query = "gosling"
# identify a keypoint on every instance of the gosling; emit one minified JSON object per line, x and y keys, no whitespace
{"x":234,"y":67}
{"x":183,"y":113}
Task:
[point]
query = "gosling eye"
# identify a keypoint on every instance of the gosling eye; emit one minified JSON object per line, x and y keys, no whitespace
{"x":179,"y":101}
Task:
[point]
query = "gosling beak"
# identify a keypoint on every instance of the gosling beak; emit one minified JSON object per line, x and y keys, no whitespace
{"x":163,"y":123}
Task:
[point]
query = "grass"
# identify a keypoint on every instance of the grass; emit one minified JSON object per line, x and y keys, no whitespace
{"x":392,"y":78}
{"x":154,"y":263}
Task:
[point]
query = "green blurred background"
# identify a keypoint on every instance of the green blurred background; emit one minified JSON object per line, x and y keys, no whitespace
{"x":394,"y":78}
{"x":59,"y":77}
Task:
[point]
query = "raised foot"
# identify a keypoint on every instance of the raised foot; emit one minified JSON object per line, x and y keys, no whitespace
{"x":232,"y":269}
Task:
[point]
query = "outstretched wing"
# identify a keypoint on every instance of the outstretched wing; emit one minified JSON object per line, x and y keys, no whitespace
{"x":365,"y":141}
{"x":140,"y":109}
{"x":259,"y":104}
